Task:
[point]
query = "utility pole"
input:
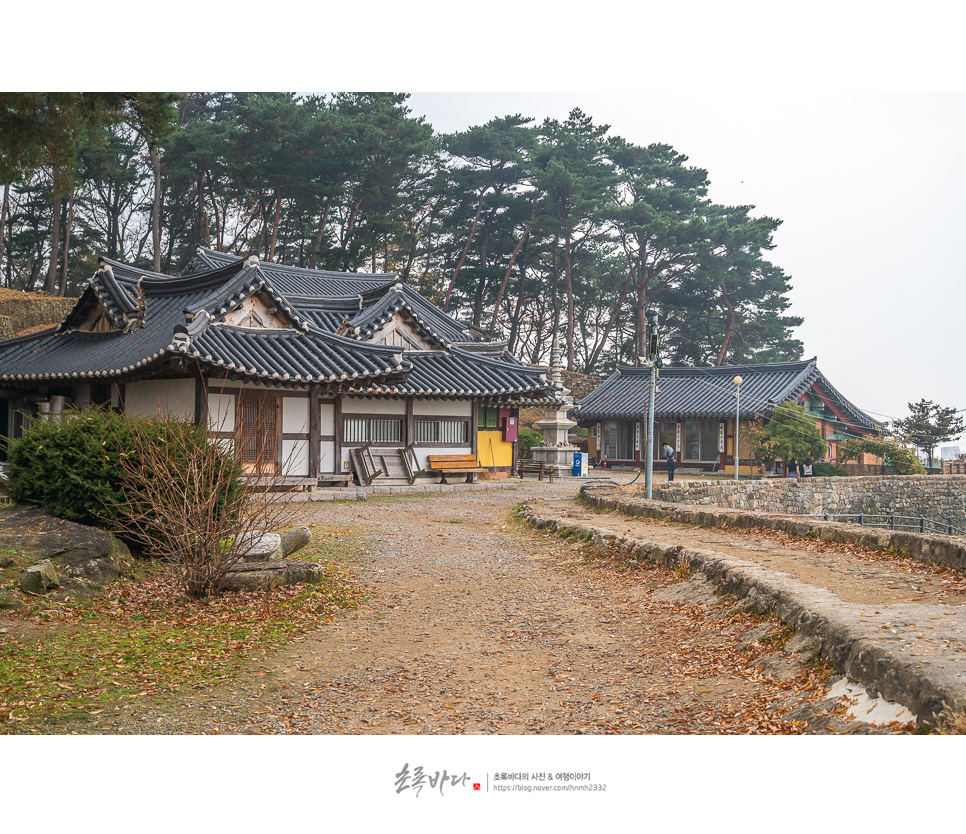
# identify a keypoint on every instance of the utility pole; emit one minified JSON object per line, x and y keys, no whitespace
{"x":653,"y":362}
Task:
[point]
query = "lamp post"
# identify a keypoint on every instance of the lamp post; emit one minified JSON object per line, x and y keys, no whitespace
{"x":737,"y":382}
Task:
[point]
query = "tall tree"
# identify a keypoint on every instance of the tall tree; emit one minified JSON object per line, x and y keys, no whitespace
{"x":48,"y":129}
{"x":488,"y":160}
{"x":928,"y":425}
{"x":659,"y":223}
{"x":731,"y":308}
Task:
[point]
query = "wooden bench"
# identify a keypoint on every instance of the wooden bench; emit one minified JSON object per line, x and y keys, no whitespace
{"x":539,"y":468}
{"x":456,"y":465}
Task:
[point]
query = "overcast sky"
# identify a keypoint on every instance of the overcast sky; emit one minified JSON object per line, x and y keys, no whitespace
{"x":870,"y":188}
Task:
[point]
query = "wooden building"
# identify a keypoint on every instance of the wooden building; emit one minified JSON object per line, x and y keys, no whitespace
{"x":695,"y":412}
{"x":306,"y":365}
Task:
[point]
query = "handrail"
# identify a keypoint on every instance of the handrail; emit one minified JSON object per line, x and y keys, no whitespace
{"x":894,"y":522}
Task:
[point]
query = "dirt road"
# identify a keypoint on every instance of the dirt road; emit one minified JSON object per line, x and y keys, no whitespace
{"x":476,"y":624}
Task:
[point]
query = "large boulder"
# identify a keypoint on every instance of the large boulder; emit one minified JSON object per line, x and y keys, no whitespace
{"x":81,"y":556}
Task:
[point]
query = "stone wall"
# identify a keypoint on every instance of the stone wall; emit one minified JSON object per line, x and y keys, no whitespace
{"x":940,"y":498}
{"x":942,"y":550}
{"x":21,"y":311}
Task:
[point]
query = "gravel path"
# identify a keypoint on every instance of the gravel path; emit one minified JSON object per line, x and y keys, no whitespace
{"x":475,"y":624}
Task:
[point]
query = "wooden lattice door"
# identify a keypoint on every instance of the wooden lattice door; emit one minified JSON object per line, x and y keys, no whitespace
{"x":259,"y":432}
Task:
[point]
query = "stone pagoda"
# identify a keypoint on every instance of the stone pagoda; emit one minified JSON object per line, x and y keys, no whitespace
{"x":556,"y":452}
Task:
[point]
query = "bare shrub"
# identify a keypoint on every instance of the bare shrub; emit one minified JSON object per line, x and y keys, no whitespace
{"x":188,"y":500}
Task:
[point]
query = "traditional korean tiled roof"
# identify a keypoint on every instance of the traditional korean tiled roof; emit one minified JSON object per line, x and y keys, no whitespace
{"x":697,"y":393}
{"x":162,"y":324}
{"x":462,"y":374}
{"x":462,"y":365}
{"x":297,"y":281}
{"x":427,"y":319}
{"x":181,"y":323}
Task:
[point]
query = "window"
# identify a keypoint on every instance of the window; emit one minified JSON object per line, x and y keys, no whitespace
{"x":618,"y":442}
{"x":701,"y":440}
{"x":609,"y":443}
{"x":442,"y":431}
{"x":709,"y":440}
{"x":488,"y":417}
{"x":665,"y":431}
{"x":691,"y":441}
{"x":100,"y":393}
{"x":372,"y":430}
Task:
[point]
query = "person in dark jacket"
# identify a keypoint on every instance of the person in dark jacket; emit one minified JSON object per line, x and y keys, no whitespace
{"x":669,"y":457}
{"x":793,"y":468}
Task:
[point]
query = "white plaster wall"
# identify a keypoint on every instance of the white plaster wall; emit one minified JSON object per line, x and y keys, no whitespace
{"x":328,"y":462}
{"x":443,"y":408}
{"x":221,"y":412}
{"x":295,"y":415}
{"x":174,"y":397}
{"x":328,"y":419}
{"x":358,"y":405}
{"x":295,"y":457}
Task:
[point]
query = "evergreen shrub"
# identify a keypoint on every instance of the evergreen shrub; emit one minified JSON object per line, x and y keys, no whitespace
{"x":528,"y":438}
{"x":75,"y":467}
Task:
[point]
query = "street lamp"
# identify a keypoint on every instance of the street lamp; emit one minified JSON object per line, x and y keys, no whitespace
{"x":737,"y":382}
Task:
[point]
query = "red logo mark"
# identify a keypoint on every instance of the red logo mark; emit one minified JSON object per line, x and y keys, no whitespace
{"x":476,"y":786}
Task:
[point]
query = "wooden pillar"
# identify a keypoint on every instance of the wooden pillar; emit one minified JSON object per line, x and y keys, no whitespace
{"x":201,"y":401}
{"x":409,"y":434}
{"x":337,"y":424}
{"x":315,"y":433}
{"x":475,"y":427}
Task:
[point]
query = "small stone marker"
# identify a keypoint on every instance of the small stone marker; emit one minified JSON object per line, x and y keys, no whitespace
{"x":39,"y":578}
{"x":295,"y":539}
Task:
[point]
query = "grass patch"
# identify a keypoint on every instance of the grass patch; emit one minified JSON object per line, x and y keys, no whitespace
{"x":144,"y":637}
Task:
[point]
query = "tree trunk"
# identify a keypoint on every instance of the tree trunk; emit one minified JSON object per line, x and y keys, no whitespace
{"x":513,"y":257}
{"x":466,"y":249}
{"x":70,"y":219}
{"x":518,"y":307}
{"x":344,"y":244}
{"x":278,"y":215}
{"x":4,"y":213}
{"x":50,"y":284}
{"x":204,"y":238}
{"x":317,"y":242}
{"x":726,"y":342}
{"x":595,"y":356}
{"x":570,"y":302}
{"x":156,"y":208}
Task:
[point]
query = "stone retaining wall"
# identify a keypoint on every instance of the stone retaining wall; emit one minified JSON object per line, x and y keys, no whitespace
{"x":940,"y":498}
{"x":942,"y":550}
{"x":20,"y":311}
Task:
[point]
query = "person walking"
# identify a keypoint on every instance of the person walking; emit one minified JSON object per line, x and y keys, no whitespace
{"x":669,"y":457}
{"x":793,"y":468}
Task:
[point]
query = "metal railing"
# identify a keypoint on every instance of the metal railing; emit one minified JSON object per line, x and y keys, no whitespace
{"x":919,"y":524}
